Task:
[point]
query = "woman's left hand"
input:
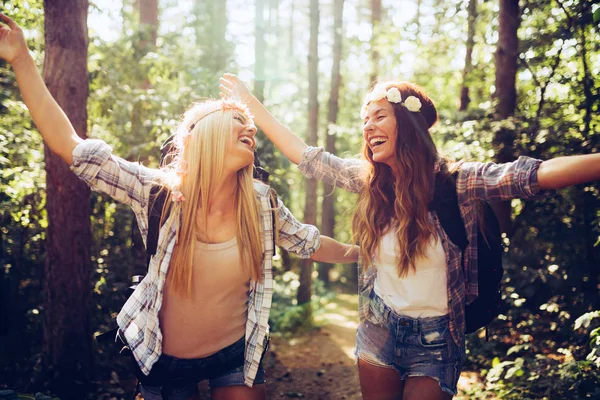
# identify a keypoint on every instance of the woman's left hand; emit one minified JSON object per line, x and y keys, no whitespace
{"x":231,"y":86}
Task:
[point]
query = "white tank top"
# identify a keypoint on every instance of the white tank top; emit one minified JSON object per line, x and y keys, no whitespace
{"x":422,"y":293}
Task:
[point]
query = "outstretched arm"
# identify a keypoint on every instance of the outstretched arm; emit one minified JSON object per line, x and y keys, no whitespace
{"x":287,"y":141}
{"x":560,"y":172}
{"x":56,"y":129}
{"x":333,"y":252}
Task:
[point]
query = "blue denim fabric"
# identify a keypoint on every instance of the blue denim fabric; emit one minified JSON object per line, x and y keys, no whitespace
{"x":224,"y":368}
{"x":413,"y":347}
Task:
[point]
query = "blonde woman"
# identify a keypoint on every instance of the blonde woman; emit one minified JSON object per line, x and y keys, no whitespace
{"x":202,"y":310}
{"x":413,"y":284}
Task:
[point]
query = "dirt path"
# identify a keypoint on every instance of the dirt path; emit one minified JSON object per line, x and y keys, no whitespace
{"x":320,"y":364}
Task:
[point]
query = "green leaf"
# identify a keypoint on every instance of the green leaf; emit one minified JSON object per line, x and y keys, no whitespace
{"x":597,"y":15}
{"x":495,"y":362}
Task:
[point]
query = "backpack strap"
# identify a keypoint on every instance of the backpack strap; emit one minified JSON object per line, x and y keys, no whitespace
{"x":445,"y":204}
{"x":155,"y":206}
{"x":273,"y":202}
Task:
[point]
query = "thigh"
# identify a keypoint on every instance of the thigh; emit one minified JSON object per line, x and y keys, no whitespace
{"x":424,"y":388}
{"x":378,"y":382}
{"x":242,"y":392}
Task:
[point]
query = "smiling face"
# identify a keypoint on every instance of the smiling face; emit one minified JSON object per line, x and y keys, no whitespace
{"x":241,"y":144}
{"x":380,"y":131}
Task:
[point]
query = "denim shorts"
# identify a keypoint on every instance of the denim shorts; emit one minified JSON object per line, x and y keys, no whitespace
{"x":224,"y":368}
{"x":413,"y":347}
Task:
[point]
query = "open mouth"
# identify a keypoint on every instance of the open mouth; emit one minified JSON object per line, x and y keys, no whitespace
{"x":377,"y":141}
{"x":247,"y":140}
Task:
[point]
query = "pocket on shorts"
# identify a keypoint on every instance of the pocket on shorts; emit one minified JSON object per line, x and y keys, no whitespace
{"x":435,"y":337}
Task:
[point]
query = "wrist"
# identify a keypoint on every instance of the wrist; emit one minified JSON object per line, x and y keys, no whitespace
{"x":21,"y":59}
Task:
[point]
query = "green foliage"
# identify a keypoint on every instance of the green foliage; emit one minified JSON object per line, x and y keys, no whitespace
{"x":287,"y":317}
{"x":137,"y":95}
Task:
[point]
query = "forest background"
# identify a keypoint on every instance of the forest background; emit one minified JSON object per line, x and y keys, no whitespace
{"x":509,"y":78}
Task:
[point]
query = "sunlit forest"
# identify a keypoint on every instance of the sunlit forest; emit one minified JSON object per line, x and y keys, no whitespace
{"x":509,"y":78}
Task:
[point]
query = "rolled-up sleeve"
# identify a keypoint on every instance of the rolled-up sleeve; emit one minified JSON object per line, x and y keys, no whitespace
{"x":490,"y":181}
{"x":346,"y":173}
{"x":298,"y":238}
{"x":125,"y":181}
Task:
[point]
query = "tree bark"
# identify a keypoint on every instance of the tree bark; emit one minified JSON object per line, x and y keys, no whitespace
{"x":507,"y":54}
{"x":328,"y":211}
{"x":148,"y":20}
{"x":310,"y":206}
{"x":464,"y":92}
{"x":67,"y":357}
{"x":260,"y":47}
{"x":375,"y":23}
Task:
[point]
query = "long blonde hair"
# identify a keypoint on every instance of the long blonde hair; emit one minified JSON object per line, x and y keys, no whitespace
{"x":196,"y":169}
{"x":400,"y":202}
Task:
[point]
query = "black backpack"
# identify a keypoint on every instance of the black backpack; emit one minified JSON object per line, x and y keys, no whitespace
{"x":488,"y":304}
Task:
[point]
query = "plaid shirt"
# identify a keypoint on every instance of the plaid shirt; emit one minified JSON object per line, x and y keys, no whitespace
{"x":475,"y":181}
{"x":130,"y":183}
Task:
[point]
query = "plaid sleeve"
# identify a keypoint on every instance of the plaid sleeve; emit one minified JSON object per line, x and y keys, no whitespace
{"x":124,"y":181}
{"x":490,"y":181}
{"x":298,"y":238}
{"x":346,"y":173}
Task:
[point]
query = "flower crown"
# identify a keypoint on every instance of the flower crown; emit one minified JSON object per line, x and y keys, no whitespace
{"x":412,"y":103}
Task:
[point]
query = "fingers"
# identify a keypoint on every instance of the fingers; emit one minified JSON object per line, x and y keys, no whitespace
{"x":225,"y":90}
{"x":8,"y":21}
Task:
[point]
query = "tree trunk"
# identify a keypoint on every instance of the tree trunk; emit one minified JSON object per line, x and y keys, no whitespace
{"x":148,"y":14}
{"x":210,"y":30}
{"x":310,"y":206}
{"x":148,"y":33}
{"x":67,"y":354}
{"x":418,"y":21}
{"x":507,"y":54}
{"x":260,"y":48}
{"x":328,"y":212}
{"x":375,"y":23}
{"x":464,"y":92}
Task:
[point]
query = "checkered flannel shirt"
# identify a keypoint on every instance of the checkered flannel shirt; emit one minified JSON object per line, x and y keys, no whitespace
{"x":476,"y":181}
{"x":130,"y":183}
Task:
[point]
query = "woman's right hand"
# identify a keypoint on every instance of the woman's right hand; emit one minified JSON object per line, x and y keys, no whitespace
{"x":12,"y":40}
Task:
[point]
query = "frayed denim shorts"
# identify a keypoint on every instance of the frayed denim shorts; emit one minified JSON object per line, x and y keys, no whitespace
{"x":224,"y":368}
{"x":413,"y":347}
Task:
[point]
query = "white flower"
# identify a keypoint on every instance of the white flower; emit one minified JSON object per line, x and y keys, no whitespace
{"x":363,"y":111}
{"x":379,"y":92}
{"x":393,"y":95}
{"x":413,"y":104}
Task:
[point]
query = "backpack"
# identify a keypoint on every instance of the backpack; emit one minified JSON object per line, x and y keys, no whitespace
{"x":488,"y":304}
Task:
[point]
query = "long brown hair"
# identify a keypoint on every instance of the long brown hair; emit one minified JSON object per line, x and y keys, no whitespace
{"x":400,"y":202}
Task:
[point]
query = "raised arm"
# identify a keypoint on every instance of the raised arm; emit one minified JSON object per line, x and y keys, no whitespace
{"x":560,"y":172}
{"x":56,"y":129}
{"x":287,"y":141}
